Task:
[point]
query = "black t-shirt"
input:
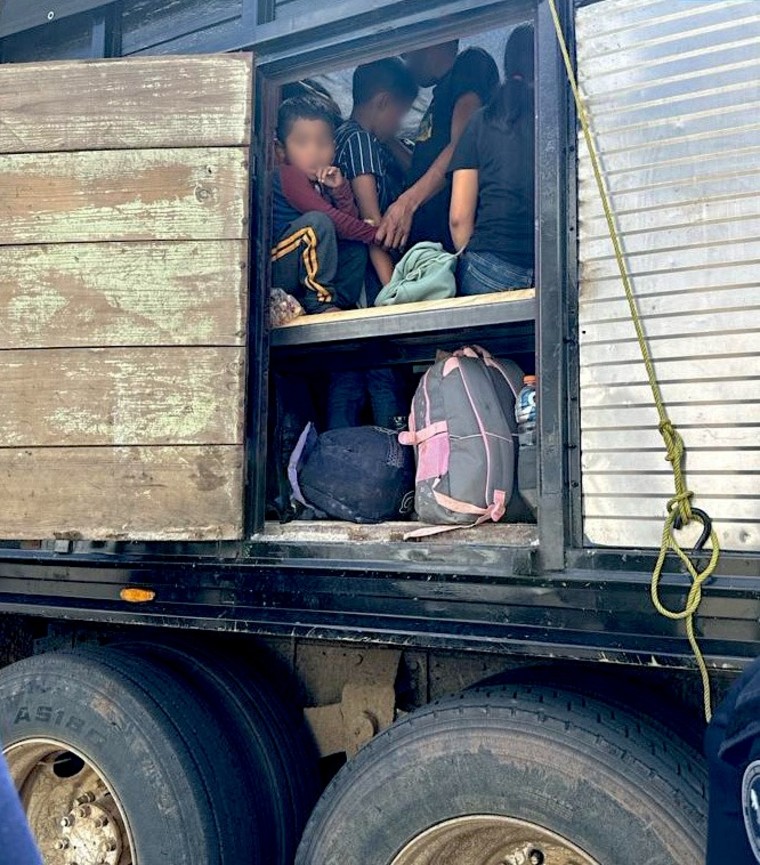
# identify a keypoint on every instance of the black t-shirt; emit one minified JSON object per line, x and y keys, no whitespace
{"x":504,"y":160}
{"x":472,"y":72}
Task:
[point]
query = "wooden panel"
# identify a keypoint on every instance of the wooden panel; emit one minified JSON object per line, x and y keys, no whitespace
{"x":457,"y":303}
{"x":121,"y":396}
{"x":181,"y":493}
{"x":150,"y":102}
{"x":101,"y":294}
{"x":123,"y":195}
{"x":419,"y":317}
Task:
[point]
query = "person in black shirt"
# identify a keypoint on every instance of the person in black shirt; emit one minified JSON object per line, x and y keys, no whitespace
{"x":463,"y":83}
{"x":492,"y":203}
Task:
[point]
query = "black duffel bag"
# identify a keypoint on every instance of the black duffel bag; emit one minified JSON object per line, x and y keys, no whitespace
{"x":360,"y":474}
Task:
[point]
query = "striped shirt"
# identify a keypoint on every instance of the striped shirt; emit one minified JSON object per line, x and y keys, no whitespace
{"x":358,"y":152}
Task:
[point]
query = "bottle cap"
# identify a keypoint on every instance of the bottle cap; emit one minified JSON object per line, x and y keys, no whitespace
{"x":529,"y":379}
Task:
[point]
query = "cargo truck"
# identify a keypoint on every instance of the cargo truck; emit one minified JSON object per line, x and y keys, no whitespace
{"x":188,"y":682}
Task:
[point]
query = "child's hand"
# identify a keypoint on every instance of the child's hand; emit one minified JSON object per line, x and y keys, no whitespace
{"x":330,"y":176}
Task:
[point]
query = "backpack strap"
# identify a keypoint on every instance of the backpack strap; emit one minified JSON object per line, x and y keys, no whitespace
{"x":415,"y":437}
{"x":495,"y":511}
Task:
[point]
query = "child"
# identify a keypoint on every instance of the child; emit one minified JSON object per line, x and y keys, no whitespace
{"x":383,"y":93}
{"x":320,"y":252}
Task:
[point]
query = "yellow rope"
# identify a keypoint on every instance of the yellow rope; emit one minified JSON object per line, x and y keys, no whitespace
{"x":679,"y":506}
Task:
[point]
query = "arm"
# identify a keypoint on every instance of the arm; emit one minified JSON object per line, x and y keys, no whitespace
{"x":303,"y":197}
{"x":464,"y":203}
{"x":365,"y":193}
{"x":382,"y":262}
{"x":397,"y":222}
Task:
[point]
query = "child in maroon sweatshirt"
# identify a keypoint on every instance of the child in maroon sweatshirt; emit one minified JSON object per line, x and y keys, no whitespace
{"x":321,"y":246}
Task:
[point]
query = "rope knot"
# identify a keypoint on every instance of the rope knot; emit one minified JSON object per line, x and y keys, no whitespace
{"x":680,"y":505}
{"x":673,"y":442}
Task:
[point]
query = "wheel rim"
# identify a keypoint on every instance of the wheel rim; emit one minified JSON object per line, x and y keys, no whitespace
{"x":73,"y":812}
{"x":491,"y":840}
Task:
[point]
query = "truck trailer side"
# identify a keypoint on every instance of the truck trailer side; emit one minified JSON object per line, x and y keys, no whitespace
{"x":187,"y":680}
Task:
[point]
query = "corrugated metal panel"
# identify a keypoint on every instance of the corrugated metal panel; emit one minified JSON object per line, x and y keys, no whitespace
{"x":673,"y":88}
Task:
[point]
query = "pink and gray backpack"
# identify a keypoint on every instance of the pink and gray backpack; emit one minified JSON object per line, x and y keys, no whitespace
{"x":464,"y":432}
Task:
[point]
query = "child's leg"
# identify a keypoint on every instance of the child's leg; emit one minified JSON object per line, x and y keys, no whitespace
{"x":305,"y":261}
{"x":387,"y":393}
{"x":372,"y":285}
{"x":349,"y":279}
{"x":345,"y":399}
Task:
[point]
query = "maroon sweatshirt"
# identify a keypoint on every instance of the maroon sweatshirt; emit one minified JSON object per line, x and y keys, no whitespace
{"x":295,"y":194}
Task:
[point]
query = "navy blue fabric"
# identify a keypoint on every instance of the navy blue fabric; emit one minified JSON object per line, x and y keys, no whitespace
{"x":349,"y":390}
{"x":361,"y":474}
{"x":16,"y":844}
{"x":732,"y":742}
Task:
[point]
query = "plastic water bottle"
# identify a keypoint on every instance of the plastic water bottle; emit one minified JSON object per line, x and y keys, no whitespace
{"x":527,"y":435}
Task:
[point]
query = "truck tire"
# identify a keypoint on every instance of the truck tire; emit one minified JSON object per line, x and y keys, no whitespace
{"x":514,"y":775}
{"x":279,"y":764}
{"x":111,"y":755}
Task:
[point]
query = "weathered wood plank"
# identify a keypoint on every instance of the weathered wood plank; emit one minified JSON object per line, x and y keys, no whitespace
{"x":107,"y":294}
{"x":130,"y":396}
{"x":199,"y":101}
{"x":452,"y":303}
{"x":183,"y":194}
{"x":407,"y":318}
{"x":141,"y":493}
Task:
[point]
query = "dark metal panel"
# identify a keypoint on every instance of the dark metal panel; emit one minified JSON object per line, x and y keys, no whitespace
{"x":68,"y":39}
{"x":551,"y":278}
{"x":357,"y":31}
{"x":147,"y":23}
{"x":572,"y":405}
{"x":267,"y":102}
{"x":18,"y":15}
{"x":215,"y":39}
{"x":600,"y":615}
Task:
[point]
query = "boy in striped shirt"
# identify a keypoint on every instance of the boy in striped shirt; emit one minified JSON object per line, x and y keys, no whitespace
{"x":383,"y":93}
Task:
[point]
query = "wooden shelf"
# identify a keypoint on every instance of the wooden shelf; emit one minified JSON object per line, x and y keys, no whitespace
{"x":429,"y":316}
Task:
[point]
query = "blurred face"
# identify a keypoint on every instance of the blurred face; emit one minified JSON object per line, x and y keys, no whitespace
{"x":389,"y":115}
{"x":309,"y":146}
{"x":420,"y":64}
{"x":429,"y":65}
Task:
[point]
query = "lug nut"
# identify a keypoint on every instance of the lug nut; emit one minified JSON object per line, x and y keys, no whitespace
{"x":536,"y":857}
{"x":85,"y":798}
{"x":61,"y":844}
{"x":65,"y":821}
{"x":83,"y":811}
{"x":100,"y":822}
